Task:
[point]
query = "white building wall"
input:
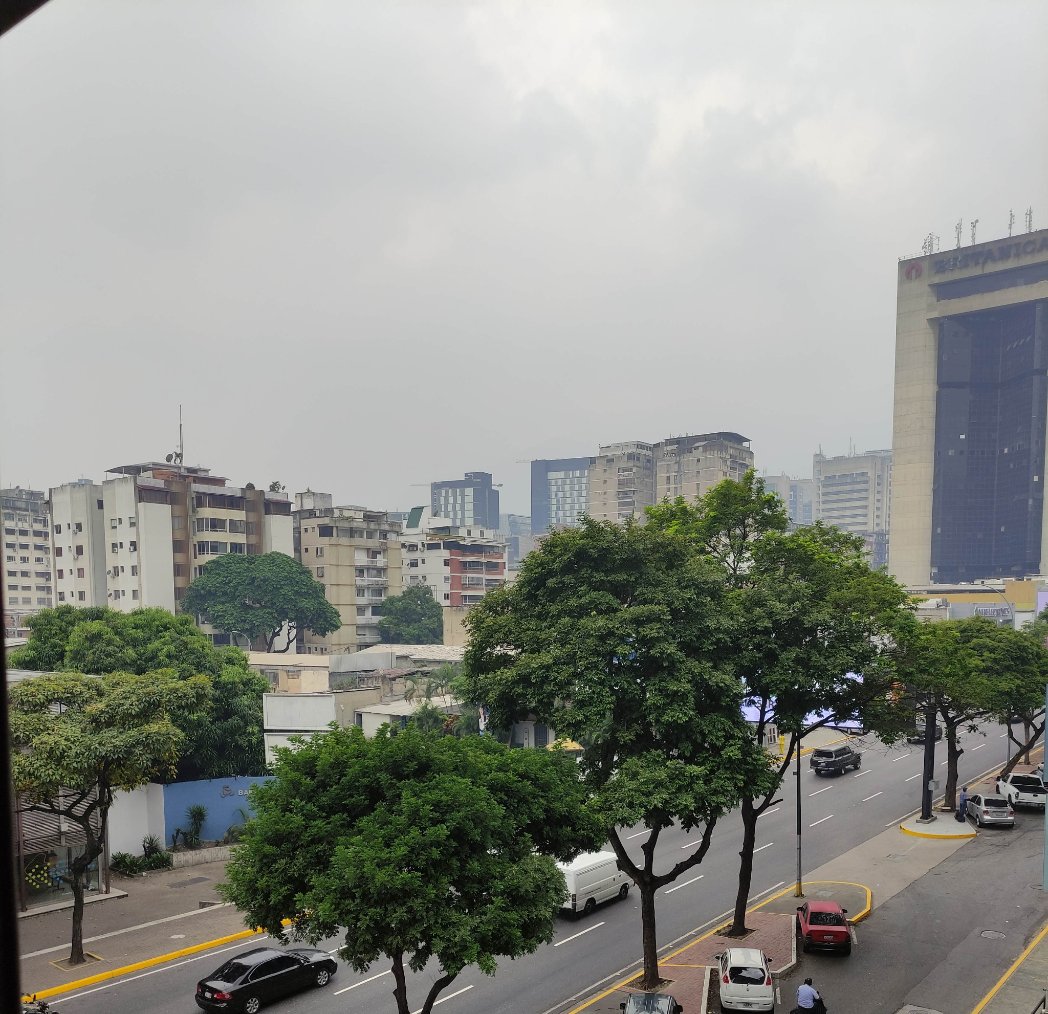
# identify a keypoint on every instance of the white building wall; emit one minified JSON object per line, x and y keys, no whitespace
{"x":156,"y":562}
{"x":278,"y":534}
{"x":133,"y":816}
{"x":76,"y":504}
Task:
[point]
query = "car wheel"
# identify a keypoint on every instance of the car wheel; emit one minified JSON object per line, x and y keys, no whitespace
{"x":252,"y":1005}
{"x":805,"y":946}
{"x":623,"y":891}
{"x":846,"y":950}
{"x":858,"y":762}
{"x":323,"y":977}
{"x":591,"y":904}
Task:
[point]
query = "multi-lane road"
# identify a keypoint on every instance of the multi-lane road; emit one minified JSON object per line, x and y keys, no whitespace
{"x":837,"y":814}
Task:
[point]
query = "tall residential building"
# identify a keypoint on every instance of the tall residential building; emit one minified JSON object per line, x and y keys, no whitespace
{"x":77,"y":547}
{"x":690,"y":465}
{"x":971,"y":410}
{"x":28,"y":578}
{"x":621,"y":481}
{"x":558,"y":492}
{"x":853,"y":492}
{"x":473,"y":500}
{"x":355,"y":554}
{"x":139,"y":538}
{"x":797,"y":495}
{"x":460,"y":564}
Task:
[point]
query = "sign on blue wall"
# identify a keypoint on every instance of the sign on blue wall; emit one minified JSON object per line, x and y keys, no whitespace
{"x":224,"y":798}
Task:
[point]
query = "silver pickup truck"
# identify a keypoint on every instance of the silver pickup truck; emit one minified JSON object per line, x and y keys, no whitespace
{"x":1022,"y":790}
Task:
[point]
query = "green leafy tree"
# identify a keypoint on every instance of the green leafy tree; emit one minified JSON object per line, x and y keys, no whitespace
{"x":620,"y":638}
{"x":806,"y":614}
{"x":971,"y":670}
{"x":267,"y":596}
{"x":412,"y":617}
{"x":423,"y":848}
{"x":76,"y":739}
{"x":223,"y":733}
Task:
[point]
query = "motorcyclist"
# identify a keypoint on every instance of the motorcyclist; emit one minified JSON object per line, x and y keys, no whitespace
{"x":808,"y":998}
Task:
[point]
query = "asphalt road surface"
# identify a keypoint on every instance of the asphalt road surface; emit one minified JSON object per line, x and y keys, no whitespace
{"x":838,"y":814}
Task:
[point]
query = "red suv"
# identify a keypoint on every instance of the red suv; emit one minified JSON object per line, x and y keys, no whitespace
{"x":822,"y":925}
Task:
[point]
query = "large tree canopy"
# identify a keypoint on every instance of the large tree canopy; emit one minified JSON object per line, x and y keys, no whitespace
{"x":223,"y":731}
{"x":413,"y":617}
{"x":621,"y":639}
{"x":76,"y":739}
{"x":424,"y":848}
{"x":806,"y":615}
{"x":268,"y":596}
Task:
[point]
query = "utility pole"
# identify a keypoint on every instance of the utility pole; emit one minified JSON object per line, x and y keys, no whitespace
{"x":799,"y":889}
{"x":927,"y":816}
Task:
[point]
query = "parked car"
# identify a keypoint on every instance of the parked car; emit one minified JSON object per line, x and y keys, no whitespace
{"x":1022,"y":790}
{"x":990,"y":810}
{"x":917,"y":736}
{"x":745,"y":980}
{"x":834,"y":760}
{"x":254,"y":978}
{"x":651,"y":1003}
{"x":822,"y":925}
{"x":591,"y":878}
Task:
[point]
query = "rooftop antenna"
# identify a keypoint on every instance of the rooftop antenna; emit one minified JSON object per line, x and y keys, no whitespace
{"x":176,"y":457}
{"x":1029,"y":219}
{"x":975,"y":222}
{"x":930,"y":244}
{"x":958,"y":229}
{"x":1011,"y":220}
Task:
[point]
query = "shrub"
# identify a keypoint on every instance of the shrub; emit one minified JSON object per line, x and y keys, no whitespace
{"x":156,"y":861}
{"x":126,"y":864}
{"x":151,"y":845}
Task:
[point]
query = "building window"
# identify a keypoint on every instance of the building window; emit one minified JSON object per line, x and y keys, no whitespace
{"x":81,"y":596}
{"x":79,"y":571}
{"x":134,"y":593}
{"x":79,"y":551}
{"x":134,"y":569}
{"x":114,"y":548}
{"x":320,"y":571}
{"x":58,"y":550}
{"x":58,"y":529}
{"x":133,"y":546}
{"x":61,"y":596}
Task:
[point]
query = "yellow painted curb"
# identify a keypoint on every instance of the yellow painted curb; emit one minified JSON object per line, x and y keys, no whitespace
{"x":112,"y":973}
{"x":1007,"y":975}
{"x":939,"y":837}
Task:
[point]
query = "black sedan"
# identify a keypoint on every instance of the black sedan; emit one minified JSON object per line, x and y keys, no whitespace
{"x":254,"y":978}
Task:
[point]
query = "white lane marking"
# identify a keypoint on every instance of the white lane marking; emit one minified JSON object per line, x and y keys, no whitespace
{"x":581,"y":933}
{"x":450,"y":996}
{"x":943,"y":763}
{"x":778,"y":995}
{"x":763,"y":847}
{"x":774,"y":809}
{"x":685,"y":884}
{"x":851,"y":933}
{"x":363,"y":982}
{"x":153,"y":971}
{"x":859,"y":774}
{"x":912,"y":777}
{"x":895,"y":760}
{"x":979,"y":747}
{"x":874,"y":796}
{"x":638,"y":834}
{"x":128,"y":929}
{"x":817,"y":791}
{"x":820,"y":820}
{"x":1003,"y":735}
{"x":768,"y":890}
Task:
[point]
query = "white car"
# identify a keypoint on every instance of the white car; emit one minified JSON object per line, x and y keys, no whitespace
{"x":1022,"y":790}
{"x":745,"y":980}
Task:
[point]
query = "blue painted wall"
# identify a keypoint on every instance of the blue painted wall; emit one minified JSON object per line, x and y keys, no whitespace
{"x":223,"y":797}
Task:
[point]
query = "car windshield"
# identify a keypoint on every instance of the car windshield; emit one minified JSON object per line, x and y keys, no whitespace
{"x":1027,"y":782}
{"x":995,"y":804}
{"x":824,"y":754}
{"x":827,"y":919}
{"x":231,"y":971}
{"x":746,"y":975}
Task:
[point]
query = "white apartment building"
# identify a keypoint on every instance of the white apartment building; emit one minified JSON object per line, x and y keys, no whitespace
{"x":77,"y":546}
{"x":693,"y":464}
{"x":355,"y":554}
{"x":853,"y":492}
{"x":28,"y":576}
{"x":621,"y":481}
{"x":139,"y":538}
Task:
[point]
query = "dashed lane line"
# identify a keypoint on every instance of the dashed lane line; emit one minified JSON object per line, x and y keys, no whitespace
{"x":763,"y":847}
{"x":444,"y":999}
{"x":820,"y":820}
{"x":817,"y":791}
{"x":582,"y":933}
{"x":685,"y":884}
{"x":363,"y":982}
{"x":874,"y":796}
{"x":895,"y":760}
{"x":912,"y":777}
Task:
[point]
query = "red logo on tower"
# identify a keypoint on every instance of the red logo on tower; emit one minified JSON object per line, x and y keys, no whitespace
{"x":913,"y":271}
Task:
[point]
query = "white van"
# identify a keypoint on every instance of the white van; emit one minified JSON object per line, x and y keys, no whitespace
{"x":592,"y":878}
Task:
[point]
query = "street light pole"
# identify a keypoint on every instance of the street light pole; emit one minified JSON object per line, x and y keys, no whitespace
{"x":929,"y":761}
{"x":799,"y":889}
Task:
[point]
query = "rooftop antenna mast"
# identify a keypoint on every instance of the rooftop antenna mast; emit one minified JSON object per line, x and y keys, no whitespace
{"x":958,"y":229}
{"x":975,"y":222}
{"x":177,"y":457}
{"x":1011,"y":220}
{"x":1029,"y":219}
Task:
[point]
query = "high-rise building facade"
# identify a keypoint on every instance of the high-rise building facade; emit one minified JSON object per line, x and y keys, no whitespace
{"x":853,"y":492}
{"x":971,"y":410}
{"x":621,"y":481}
{"x":355,"y":554}
{"x":472,"y":500}
{"x":558,"y":492}
{"x":140,"y":538}
{"x":690,"y":465}
{"x":797,"y":496}
{"x":28,"y":577}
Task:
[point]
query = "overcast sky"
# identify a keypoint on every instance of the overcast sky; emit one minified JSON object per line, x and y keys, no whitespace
{"x":368,"y":245}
